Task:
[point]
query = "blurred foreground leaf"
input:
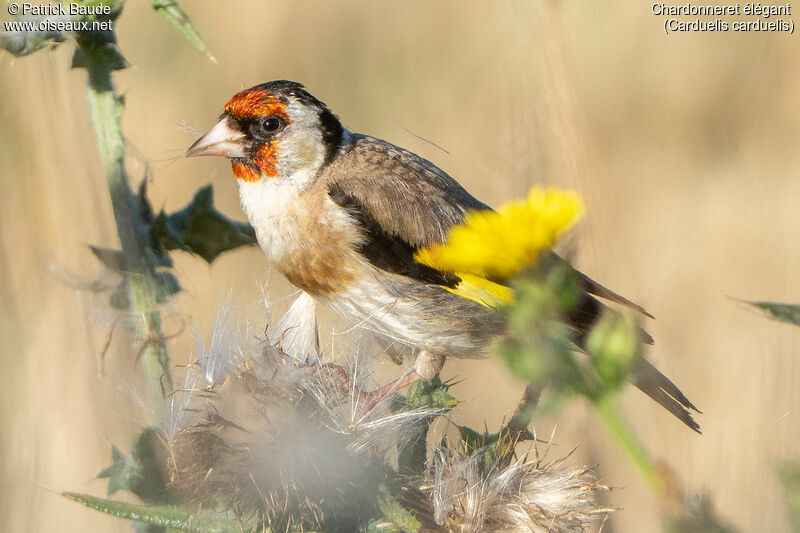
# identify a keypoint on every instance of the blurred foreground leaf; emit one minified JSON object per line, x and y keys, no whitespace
{"x":37,"y":35}
{"x":168,"y":516}
{"x":143,"y":471}
{"x":200,"y":229}
{"x":22,"y":43}
{"x":778,"y":311}
{"x":175,"y":15}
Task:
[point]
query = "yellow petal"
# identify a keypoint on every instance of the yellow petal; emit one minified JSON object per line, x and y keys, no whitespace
{"x":498,"y":244}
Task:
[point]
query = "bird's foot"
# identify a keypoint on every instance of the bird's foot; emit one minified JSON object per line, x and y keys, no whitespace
{"x":375,"y":397}
{"x":337,"y":377}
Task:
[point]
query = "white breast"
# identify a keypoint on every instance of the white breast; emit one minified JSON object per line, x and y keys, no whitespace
{"x":270,"y":206}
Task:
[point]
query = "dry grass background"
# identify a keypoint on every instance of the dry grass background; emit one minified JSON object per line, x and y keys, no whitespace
{"x":685,"y":148}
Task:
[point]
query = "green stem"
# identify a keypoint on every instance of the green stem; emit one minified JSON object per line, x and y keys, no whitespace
{"x":615,"y":422}
{"x":106,"y":109}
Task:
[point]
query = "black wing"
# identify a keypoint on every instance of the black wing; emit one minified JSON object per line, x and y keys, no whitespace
{"x":391,"y":253}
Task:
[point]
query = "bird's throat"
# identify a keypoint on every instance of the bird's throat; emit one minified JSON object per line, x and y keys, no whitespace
{"x":265,"y":163}
{"x":245,"y":170}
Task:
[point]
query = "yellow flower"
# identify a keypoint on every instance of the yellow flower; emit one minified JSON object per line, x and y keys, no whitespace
{"x":496,"y":245}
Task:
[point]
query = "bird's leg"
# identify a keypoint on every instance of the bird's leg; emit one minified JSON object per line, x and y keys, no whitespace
{"x":375,"y":397}
{"x":426,"y":366}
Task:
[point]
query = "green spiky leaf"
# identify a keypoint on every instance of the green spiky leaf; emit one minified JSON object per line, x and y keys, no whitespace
{"x":143,"y":471}
{"x":117,"y":479}
{"x":114,"y":260}
{"x":200,"y":229}
{"x":166,"y":285}
{"x":168,"y":516}
{"x":779,"y":311}
{"x":397,"y":515}
{"x":175,"y":15}
{"x":430,"y":393}
{"x":474,"y":441}
{"x":22,"y":43}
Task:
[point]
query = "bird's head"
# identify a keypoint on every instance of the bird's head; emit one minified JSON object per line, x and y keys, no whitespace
{"x":275,"y":129}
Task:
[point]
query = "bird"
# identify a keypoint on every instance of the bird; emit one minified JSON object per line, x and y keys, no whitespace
{"x":341,"y":215}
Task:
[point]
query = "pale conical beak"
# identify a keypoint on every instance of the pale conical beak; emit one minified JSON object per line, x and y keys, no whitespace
{"x":222,"y":140}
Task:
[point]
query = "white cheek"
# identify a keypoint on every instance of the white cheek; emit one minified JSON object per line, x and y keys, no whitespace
{"x":301,"y":147}
{"x":301,"y":153}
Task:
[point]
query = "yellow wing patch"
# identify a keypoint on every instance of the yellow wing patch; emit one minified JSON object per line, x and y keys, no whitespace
{"x":483,"y":291}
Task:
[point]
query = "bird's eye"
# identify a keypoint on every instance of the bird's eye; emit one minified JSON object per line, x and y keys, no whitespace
{"x":271,"y":123}
{"x":266,"y":127}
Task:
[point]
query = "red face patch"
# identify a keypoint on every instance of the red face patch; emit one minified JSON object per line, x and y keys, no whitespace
{"x":252,"y":103}
{"x":267,"y":159}
{"x":255,"y":103}
{"x":244,"y":171}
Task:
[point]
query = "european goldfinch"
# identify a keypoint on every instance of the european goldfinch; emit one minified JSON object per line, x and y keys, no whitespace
{"x":341,"y":215}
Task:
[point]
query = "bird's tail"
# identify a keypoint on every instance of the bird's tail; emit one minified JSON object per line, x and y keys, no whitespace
{"x":647,"y":377}
{"x":661,"y":389}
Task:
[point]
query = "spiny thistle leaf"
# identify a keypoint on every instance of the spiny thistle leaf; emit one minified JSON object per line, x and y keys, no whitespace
{"x":175,"y":15}
{"x":400,"y":517}
{"x":117,"y":479}
{"x":142,"y":472}
{"x":474,"y":441}
{"x":112,"y":57}
{"x":779,"y":311}
{"x":200,"y":229}
{"x":114,"y":260}
{"x":166,"y":285}
{"x":431,"y":393}
{"x":168,"y":516}
{"x":22,"y":43}
{"x":100,"y":44}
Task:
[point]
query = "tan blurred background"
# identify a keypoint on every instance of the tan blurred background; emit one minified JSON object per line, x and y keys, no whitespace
{"x":685,"y":148}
